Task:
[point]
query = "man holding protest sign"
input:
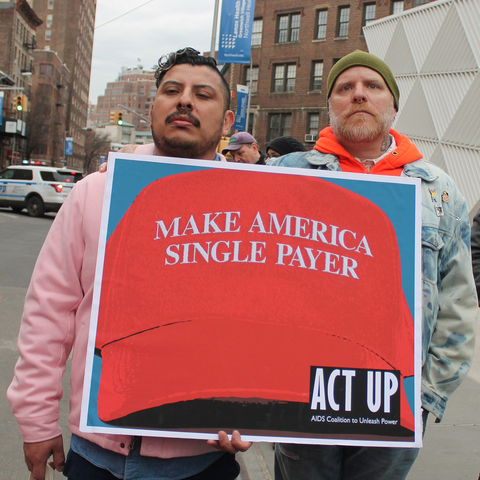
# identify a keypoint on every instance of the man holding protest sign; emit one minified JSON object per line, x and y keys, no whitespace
{"x":190,"y":115}
{"x":363,"y":101}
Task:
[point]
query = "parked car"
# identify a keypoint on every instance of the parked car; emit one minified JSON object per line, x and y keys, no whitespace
{"x":39,"y":189}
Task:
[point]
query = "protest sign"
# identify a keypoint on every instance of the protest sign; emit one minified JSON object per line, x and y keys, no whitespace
{"x":280,"y":302}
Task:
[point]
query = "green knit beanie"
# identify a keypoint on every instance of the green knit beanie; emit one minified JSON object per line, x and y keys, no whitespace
{"x":363,"y":59}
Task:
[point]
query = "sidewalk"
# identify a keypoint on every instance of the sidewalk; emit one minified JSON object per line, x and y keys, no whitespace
{"x":451,"y":448}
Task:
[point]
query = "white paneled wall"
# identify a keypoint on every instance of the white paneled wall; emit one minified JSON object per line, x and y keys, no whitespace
{"x":434,"y":53}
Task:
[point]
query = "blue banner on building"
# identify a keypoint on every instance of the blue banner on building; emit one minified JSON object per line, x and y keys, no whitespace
{"x":241,"y":115}
{"x":68,"y":146}
{"x":236,"y":31}
{"x":1,"y":108}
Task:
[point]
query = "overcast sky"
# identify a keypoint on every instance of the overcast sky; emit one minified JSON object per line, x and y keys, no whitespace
{"x":158,"y":27}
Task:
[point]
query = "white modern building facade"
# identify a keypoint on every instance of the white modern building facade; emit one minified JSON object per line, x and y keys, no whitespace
{"x":434,"y":53}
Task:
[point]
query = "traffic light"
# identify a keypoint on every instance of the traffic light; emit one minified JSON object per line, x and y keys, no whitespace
{"x":24,"y":103}
{"x":18,"y":103}
{"x":116,"y":117}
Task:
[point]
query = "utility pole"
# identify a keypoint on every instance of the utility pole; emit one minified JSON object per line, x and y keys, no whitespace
{"x":214,"y":29}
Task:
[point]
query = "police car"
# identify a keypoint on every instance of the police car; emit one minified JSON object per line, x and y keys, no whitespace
{"x":38,"y":189}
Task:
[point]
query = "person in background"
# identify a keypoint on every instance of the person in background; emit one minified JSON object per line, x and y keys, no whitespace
{"x":363,"y":101}
{"x":244,"y":149}
{"x":190,"y":115}
{"x":476,"y":251}
{"x":283,"y":145}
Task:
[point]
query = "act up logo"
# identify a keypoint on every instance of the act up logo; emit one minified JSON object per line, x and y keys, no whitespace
{"x":363,"y":396}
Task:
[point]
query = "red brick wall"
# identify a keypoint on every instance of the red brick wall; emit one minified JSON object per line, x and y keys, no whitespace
{"x":67,"y":25}
{"x":6,"y":25}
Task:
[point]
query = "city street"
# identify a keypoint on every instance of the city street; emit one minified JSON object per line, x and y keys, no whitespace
{"x":452,"y":448}
{"x":21,"y":238}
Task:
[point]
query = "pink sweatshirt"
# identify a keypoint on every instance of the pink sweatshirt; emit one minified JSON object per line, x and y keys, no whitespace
{"x":56,"y":318}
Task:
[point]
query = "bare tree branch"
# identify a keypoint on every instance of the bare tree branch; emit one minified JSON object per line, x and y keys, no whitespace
{"x":40,"y":121}
{"x":95,"y":145}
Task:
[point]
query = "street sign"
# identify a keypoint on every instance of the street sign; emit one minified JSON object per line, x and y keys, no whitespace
{"x":236,"y":31}
{"x":69,"y":146}
{"x":241,"y":115}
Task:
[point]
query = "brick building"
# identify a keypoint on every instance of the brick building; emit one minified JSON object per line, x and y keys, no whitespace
{"x":294,"y":46}
{"x":67,"y":29}
{"x":48,"y":109}
{"x":91,"y":112}
{"x":135,"y":89}
{"x":18,"y":24}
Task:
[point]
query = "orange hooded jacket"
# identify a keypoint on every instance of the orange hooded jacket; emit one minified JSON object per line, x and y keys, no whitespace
{"x":392,"y":164}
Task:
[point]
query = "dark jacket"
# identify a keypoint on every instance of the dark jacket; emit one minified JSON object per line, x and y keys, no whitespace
{"x":262,"y":160}
{"x":476,"y":250}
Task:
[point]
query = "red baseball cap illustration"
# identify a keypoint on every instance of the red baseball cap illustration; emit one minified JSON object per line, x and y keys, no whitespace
{"x":228,"y":284}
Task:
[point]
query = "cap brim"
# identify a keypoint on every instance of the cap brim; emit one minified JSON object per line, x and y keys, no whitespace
{"x":233,"y":147}
{"x":239,"y":360}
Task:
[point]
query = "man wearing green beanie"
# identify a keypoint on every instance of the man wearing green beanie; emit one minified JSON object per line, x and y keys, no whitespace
{"x":364,"y":59}
{"x":363,"y":100}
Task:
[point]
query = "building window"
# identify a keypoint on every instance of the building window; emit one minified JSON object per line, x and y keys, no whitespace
{"x":257,"y":32}
{"x":279,"y":125}
{"x":397,"y":7}
{"x":368,"y":13}
{"x":288,"y":29}
{"x":250,"y":123}
{"x":254,"y":86}
{"x":284,"y":77}
{"x":49,"y":21}
{"x":50,"y":4}
{"x":48,"y":35}
{"x":312,"y":127}
{"x":343,"y":21}
{"x":321,"y":32}
{"x":416,"y":3}
{"x":45,"y":69}
{"x":317,"y":75}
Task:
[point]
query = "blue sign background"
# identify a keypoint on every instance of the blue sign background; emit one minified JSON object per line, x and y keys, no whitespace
{"x":397,"y":200}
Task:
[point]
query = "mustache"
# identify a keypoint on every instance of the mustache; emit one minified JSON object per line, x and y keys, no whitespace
{"x":183,"y":114}
{"x":360,"y":108}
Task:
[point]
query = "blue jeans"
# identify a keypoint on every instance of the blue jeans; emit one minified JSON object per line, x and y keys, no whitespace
{"x":319,"y":462}
{"x":78,"y":468}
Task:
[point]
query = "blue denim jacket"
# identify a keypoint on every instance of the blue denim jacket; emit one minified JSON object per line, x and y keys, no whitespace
{"x":449,"y":296}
